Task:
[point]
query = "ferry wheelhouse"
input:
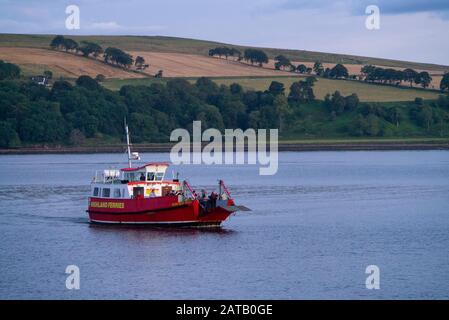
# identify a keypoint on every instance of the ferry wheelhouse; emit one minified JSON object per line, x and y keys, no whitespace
{"x":145,"y":195}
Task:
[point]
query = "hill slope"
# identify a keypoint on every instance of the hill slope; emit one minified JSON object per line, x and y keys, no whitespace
{"x":201,"y":47}
{"x":34,"y":60}
{"x":179,"y":57}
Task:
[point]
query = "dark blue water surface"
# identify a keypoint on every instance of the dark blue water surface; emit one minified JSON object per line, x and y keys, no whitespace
{"x":315,"y":226}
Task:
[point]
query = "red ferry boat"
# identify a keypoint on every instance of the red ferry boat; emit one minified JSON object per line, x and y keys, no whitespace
{"x":144,"y":195}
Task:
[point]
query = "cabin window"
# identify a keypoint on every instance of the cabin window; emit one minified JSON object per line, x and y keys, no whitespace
{"x":130,"y":176}
{"x":150,"y":176}
{"x":159,"y":176}
{"x":106,"y":192}
{"x":117,"y":193}
{"x":96,"y":192}
{"x":138,"y":191}
{"x":141,"y":176}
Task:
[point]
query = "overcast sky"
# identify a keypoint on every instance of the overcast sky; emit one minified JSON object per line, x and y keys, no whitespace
{"x":414,"y":30}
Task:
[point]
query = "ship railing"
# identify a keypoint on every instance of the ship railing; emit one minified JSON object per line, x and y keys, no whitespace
{"x":186,"y":185}
{"x":223,"y":190}
{"x":107,"y":176}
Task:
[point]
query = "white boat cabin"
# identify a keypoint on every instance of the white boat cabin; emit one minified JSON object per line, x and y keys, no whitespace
{"x":145,"y":181}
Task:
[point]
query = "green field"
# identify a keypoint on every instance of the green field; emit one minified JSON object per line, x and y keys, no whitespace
{"x":28,"y":70}
{"x":182,"y":45}
{"x":366,"y":92}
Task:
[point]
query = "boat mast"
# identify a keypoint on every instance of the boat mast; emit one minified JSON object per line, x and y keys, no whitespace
{"x":128,"y":145}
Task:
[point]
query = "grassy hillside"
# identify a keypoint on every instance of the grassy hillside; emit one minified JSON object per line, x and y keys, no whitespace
{"x":187,"y":58}
{"x":366,"y":92}
{"x":192,"y":46}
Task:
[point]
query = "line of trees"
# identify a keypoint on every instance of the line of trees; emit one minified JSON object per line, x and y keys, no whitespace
{"x":339,"y":71}
{"x":90,"y":48}
{"x":394,"y":76}
{"x":110,"y":55}
{"x":226,"y":52}
{"x":370,"y":73}
{"x":65,"y":44}
{"x":281,"y":62}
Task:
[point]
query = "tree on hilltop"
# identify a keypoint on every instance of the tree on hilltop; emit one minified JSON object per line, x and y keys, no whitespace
{"x":281,"y":62}
{"x":90,"y":48}
{"x":117,"y":56}
{"x":339,"y":71}
{"x":255,"y":56}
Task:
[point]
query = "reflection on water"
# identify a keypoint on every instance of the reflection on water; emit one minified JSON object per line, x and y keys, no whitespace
{"x":313,"y":229}
{"x":159,"y":231}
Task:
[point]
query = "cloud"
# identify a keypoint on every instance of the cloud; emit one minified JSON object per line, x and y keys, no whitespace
{"x":111,"y":25}
{"x":357,"y":7}
{"x":410,"y":29}
{"x":410,"y":6}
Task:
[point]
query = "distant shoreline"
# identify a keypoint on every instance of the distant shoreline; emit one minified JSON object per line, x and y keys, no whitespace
{"x":325,"y":145}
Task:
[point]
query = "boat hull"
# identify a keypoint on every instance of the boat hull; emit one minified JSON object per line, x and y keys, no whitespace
{"x":162,"y":211}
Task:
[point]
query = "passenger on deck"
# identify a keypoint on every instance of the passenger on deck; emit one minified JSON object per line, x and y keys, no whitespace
{"x":203,"y":200}
{"x":213,"y":200}
{"x":142,"y":177}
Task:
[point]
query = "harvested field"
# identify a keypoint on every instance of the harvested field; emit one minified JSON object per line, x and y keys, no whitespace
{"x":62,"y":64}
{"x":35,"y":60}
{"x":192,"y":65}
{"x":201,"y":47}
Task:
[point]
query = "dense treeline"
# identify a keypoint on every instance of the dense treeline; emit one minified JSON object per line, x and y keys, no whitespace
{"x":70,"y":113}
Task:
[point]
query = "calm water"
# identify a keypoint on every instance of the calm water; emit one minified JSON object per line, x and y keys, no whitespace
{"x":314,"y":228}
